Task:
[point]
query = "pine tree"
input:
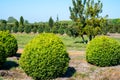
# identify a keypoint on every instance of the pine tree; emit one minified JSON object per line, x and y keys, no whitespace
{"x":27,"y":28}
{"x":51,"y":22}
{"x":15,"y":27}
{"x":22,"y":21}
{"x":21,"y":25}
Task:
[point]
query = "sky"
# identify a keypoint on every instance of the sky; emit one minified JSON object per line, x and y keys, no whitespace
{"x":42,"y":10}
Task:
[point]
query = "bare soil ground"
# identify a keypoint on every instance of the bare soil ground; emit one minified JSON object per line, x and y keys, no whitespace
{"x":115,"y":35}
{"x":78,"y":69}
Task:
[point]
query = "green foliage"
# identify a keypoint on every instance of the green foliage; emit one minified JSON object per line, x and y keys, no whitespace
{"x":85,"y":13}
{"x":3,"y":25}
{"x":114,"y":25}
{"x":47,"y":29}
{"x":103,"y":51}
{"x":21,"y":28}
{"x":45,"y":57}
{"x":2,"y":54}
{"x":21,"y":20}
{"x":51,"y":22}
{"x":41,"y":29}
{"x":27,"y":28}
{"x":72,"y":31}
{"x":9,"y":27}
{"x":34,"y":30}
{"x":15,"y":27}
{"x":61,"y":30}
{"x":55,"y":29}
{"x":10,"y":43}
{"x":11,"y":19}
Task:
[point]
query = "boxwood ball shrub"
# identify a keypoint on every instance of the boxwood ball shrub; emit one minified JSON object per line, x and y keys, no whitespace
{"x":10,"y":43}
{"x":2,"y":54}
{"x":103,"y":51}
{"x":44,"y":57}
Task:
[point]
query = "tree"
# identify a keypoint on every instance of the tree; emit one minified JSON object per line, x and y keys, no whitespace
{"x":26,"y":22}
{"x":51,"y":22}
{"x":11,"y":19}
{"x":85,"y":14}
{"x":9,"y":27}
{"x":41,"y":28}
{"x":57,"y":19}
{"x":114,"y":25}
{"x":21,"y":28}
{"x":34,"y":27}
{"x":27,"y":28}
{"x":22,"y":21}
{"x":47,"y":28}
{"x":61,"y":30}
{"x":21,"y":25}
{"x":15,"y":27}
{"x":3,"y":25}
{"x":34,"y":30}
{"x":56,"y":27}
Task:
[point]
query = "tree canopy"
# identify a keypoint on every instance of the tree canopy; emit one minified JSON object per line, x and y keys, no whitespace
{"x":86,"y":17}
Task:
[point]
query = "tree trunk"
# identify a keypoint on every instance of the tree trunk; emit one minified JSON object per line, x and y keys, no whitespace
{"x":83,"y":39}
{"x":90,"y":37}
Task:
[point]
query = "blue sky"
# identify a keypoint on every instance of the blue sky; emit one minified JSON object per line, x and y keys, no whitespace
{"x":41,"y":10}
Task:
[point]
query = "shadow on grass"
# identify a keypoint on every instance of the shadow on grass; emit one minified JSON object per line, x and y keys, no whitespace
{"x":70,"y":72}
{"x":86,"y":41}
{"x":8,"y":65}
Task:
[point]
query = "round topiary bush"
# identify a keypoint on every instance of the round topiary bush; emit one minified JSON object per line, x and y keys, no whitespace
{"x":103,"y":51}
{"x":10,"y":43}
{"x":2,"y":54}
{"x":44,"y":57}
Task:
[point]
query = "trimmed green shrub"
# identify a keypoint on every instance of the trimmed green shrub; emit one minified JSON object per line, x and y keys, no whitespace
{"x":45,"y":57}
{"x":103,"y":51}
{"x":2,"y":54}
{"x":10,"y":43}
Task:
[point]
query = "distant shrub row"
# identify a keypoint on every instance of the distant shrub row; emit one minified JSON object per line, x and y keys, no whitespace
{"x":35,"y":28}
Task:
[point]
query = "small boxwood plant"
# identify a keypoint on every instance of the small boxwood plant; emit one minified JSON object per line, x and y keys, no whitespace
{"x":45,"y":57}
{"x":9,"y":42}
{"x":103,"y":51}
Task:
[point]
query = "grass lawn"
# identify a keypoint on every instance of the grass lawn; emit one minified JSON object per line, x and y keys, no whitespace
{"x":70,"y":42}
{"x":23,"y":38}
